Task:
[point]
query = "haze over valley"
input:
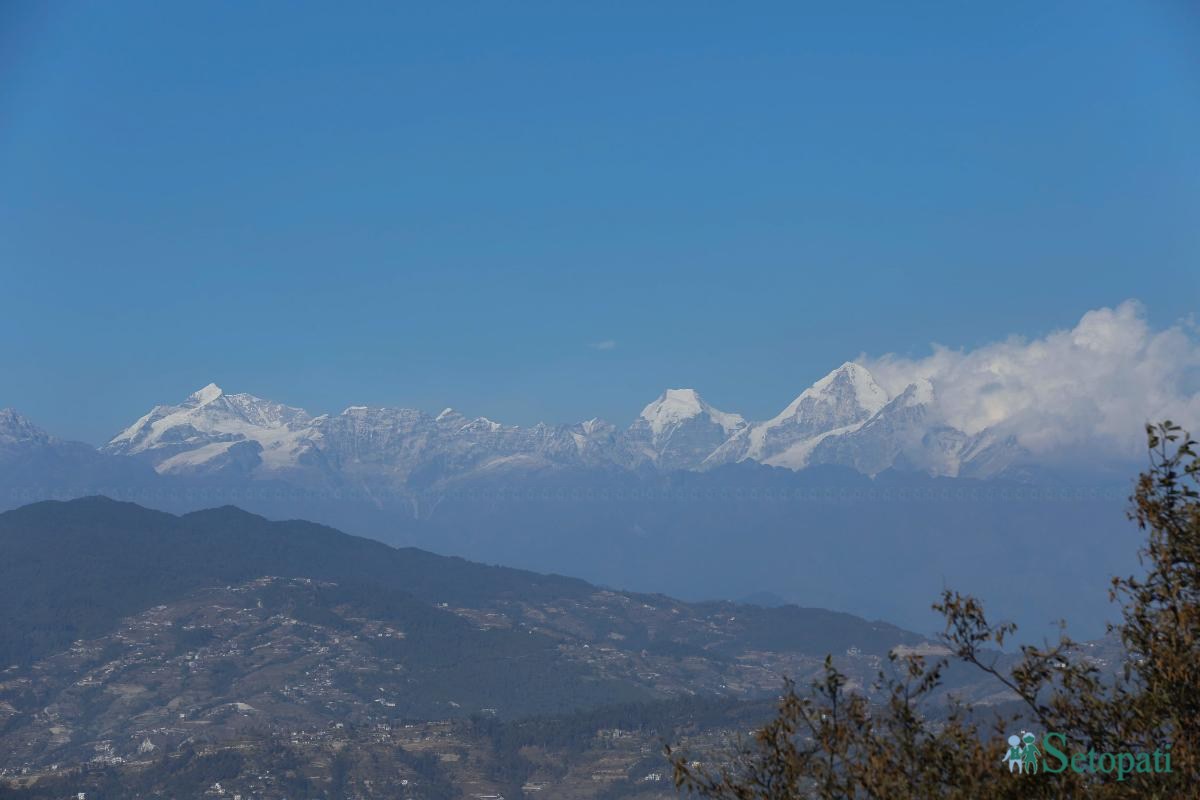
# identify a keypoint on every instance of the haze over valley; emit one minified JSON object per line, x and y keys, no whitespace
{"x":879,"y":484}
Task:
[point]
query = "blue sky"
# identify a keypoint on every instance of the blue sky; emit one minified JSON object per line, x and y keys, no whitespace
{"x":392,"y":204}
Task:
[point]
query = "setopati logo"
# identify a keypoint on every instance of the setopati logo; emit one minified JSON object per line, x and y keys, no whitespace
{"x":1026,"y":757}
{"x":1023,"y":753}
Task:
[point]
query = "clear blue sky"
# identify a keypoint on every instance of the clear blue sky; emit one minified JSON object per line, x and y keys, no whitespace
{"x":329,"y":204}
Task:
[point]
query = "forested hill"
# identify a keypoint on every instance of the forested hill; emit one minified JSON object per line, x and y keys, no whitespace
{"x":72,"y":570}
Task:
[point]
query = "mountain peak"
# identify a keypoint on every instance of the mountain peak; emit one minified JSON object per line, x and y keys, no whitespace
{"x":856,"y":374}
{"x":209,"y":428}
{"x":674,"y":405}
{"x":679,"y":405}
{"x":852,"y":381}
{"x":836,"y":404}
{"x":14,"y":426}
{"x":682,"y":395}
{"x":203,"y":397}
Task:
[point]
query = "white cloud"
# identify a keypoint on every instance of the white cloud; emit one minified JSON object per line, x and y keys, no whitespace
{"x":607,"y":344}
{"x":1090,"y":388}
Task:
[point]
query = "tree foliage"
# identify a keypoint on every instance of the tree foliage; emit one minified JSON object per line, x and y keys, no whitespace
{"x":828,"y":742}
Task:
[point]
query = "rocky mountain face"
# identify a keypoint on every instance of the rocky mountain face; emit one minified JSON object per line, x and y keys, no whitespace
{"x":846,"y":419}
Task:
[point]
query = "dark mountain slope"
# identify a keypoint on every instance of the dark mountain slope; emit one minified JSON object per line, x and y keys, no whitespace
{"x":71,"y":570}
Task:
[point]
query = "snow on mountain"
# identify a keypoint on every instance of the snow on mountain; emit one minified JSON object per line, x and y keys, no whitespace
{"x":903,"y":433}
{"x":449,"y":417}
{"x":16,"y":430}
{"x":378,"y":448}
{"x":844,"y":418}
{"x":837,"y":404}
{"x":208,"y":424}
{"x":679,"y":430}
{"x":677,"y":406}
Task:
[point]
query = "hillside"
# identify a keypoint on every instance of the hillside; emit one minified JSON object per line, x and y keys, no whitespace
{"x":128,"y":632}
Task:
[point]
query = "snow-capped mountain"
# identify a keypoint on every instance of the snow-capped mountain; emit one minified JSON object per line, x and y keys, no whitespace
{"x":17,"y":431}
{"x":904,"y":433}
{"x":211,"y":430}
{"x":845,"y":418}
{"x":838,"y":404}
{"x":399,"y":446}
{"x":679,"y":430}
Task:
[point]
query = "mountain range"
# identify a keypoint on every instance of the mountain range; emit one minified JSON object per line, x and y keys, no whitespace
{"x":844,"y":419}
